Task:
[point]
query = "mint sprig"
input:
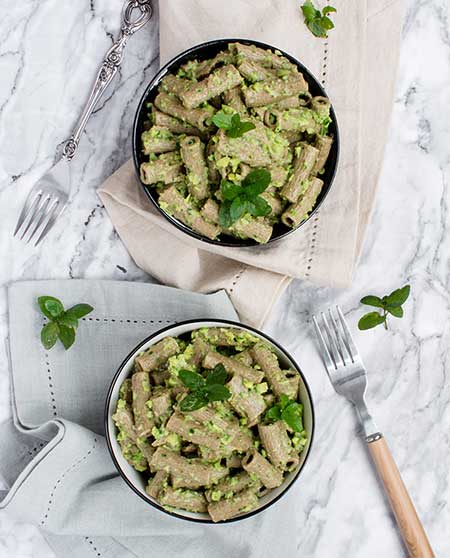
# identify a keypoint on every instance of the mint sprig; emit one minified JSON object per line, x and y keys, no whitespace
{"x":62,"y":323}
{"x":388,"y":305}
{"x":317,"y":21}
{"x":289,"y":411}
{"x":203,"y":390}
{"x":239,"y":199}
{"x":232,"y":124}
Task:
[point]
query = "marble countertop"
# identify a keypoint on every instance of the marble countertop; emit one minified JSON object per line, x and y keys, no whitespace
{"x":46,"y":71}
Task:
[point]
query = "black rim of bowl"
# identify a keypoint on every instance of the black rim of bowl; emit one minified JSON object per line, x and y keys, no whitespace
{"x":109,"y":434}
{"x":206,"y":50}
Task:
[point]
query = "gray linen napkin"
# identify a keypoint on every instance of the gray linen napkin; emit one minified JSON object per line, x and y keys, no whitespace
{"x":54,"y":458}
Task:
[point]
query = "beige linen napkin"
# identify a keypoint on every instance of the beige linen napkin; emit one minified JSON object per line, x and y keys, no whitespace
{"x":357,"y":66}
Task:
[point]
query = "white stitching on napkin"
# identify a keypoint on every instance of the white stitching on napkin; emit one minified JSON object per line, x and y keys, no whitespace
{"x":236,"y":278}
{"x":312,"y":245}
{"x":71,"y":468}
{"x":50,"y":385}
{"x":120,"y":321}
{"x":92,"y":545}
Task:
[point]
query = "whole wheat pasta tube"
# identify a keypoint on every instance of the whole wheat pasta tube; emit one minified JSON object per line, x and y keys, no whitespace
{"x":292,"y":120}
{"x":242,"y":502}
{"x":231,"y":485}
{"x":254,"y":71}
{"x":173,"y":124}
{"x":123,"y":419}
{"x":217,"y":82}
{"x":193,"y":155}
{"x":298,"y":212}
{"x":255,"y":463}
{"x":232,"y":366}
{"x":174,"y":84}
{"x":161,"y":404}
{"x":156,"y":483}
{"x":173,"y":202}
{"x":141,"y":393}
{"x":276,"y":378}
{"x":158,"y":140}
{"x":276,"y":442}
{"x":193,"y":431}
{"x":256,"y":228}
{"x":210,"y":211}
{"x":172,"y":106}
{"x":191,"y":473}
{"x":275,"y":90}
{"x":157,"y":354}
{"x":233,"y":99}
{"x":193,"y":69}
{"x":226,"y":336}
{"x":265,"y":57}
{"x":166,"y":168}
{"x":305,"y":158}
{"x":323,"y":144}
{"x":189,"y":500}
{"x":250,"y":404}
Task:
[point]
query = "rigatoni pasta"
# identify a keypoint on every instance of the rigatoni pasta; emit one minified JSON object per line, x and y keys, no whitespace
{"x":222,"y":456}
{"x":191,"y":156}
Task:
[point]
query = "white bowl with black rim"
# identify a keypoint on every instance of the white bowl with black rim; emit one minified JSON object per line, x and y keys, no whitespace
{"x":137,"y":481}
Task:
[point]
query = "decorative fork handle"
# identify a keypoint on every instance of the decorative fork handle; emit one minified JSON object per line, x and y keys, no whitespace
{"x":406,"y":516}
{"x":109,"y":67}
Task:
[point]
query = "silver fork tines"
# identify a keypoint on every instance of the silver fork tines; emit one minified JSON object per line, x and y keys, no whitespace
{"x":41,"y":209}
{"x":343,"y":363}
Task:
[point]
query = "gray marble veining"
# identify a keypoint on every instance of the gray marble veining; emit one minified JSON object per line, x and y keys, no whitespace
{"x":49,"y":53}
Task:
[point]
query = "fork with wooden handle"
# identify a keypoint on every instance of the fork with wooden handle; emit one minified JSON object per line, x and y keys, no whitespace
{"x":348,"y":375}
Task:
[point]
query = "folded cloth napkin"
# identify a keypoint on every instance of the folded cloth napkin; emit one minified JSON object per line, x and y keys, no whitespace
{"x":357,"y":66}
{"x":54,"y":458}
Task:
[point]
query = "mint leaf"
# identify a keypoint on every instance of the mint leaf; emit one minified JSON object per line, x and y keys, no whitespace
{"x":261,"y":207}
{"x":256,"y":182}
{"x":317,"y":22}
{"x":284,"y":401}
{"x":192,"y":380}
{"x":217,"y":376}
{"x":68,"y":320}
{"x":66,"y":336}
{"x":292,"y":416}
{"x":399,"y":296}
{"x":237,"y":209}
{"x":370,"y":320}
{"x":222,"y":120}
{"x":79,"y":310}
{"x":273,"y":414}
{"x":372,"y":300}
{"x":50,"y":306}
{"x":193,"y":401}
{"x":49,"y":334}
{"x":224,"y":215}
{"x":230,"y":190}
{"x":232,"y":123}
{"x":216,"y":392}
{"x":396,"y":311}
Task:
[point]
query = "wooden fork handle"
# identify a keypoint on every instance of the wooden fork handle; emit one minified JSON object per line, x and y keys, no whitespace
{"x":408,"y":521}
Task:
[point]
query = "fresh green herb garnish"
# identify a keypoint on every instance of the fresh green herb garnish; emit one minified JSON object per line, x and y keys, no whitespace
{"x":390,"y":304}
{"x":288,"y":410}
{"x":239,"y":199}
{"x":232,"y":123}
{"x":204,"y":390}
{"x":317,"y":22}
{"x":63,"y":323}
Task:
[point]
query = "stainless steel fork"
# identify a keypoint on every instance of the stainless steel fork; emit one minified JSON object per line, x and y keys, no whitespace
{"x":48,"y":199}
{"x":348,"y":375}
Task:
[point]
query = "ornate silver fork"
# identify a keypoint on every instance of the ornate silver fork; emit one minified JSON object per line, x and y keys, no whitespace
{"x":348,"y":375}
{"x":49,"y":197}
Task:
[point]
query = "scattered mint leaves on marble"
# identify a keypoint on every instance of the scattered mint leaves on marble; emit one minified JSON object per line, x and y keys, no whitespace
{"x":288,"y":410}
{"x":62,"y":323}
{"x":232,"y":124}
{"x":388,"y":305}
{"x":203,"y":390}
{"x":317,"y":21}
{"x":239,"y":199}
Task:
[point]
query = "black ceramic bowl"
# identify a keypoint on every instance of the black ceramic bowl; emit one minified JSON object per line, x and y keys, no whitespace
{"x":137,"y":481}
{"x":202,"y":52}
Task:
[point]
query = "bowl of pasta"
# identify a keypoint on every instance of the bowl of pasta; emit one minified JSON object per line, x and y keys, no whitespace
{"x":209,"y":421}
{"x":235,"y":143}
